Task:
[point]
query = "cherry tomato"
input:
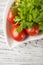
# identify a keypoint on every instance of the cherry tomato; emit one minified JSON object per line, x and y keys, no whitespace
{"x":11,"y":17}
{"x":18,"y":36}
{"x":33,"y":31}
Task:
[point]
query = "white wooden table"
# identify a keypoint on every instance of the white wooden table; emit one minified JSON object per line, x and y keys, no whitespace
{"x":30,"y":53}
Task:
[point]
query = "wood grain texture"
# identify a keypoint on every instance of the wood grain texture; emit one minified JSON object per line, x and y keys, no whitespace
{"x":30,"y":53}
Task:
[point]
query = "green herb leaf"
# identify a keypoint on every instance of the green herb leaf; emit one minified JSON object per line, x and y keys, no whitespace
{"x":30,"y":12}
{"x":17,"y":19}
{"x":41,"y":26}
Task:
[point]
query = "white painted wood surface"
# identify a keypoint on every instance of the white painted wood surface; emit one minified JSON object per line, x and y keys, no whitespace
{"x":30,"y":53}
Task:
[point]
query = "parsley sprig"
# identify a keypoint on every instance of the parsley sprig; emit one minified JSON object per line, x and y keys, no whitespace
{"x":30,"y":13}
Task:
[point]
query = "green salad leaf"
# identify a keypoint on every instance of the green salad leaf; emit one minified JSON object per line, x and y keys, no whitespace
{"x":30,"y":12}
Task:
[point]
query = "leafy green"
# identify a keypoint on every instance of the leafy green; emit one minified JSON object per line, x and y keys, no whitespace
{"x":41,"y":26}
{"x":17,"y":19}
{"x":30,"y":12}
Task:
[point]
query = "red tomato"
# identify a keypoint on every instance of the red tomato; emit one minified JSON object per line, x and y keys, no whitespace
{"x":11,"y":17}
{"x":18,"y":36}
{"x":33,"y":31}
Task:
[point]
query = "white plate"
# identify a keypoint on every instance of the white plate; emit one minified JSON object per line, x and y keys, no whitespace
{"x":11,"y":42}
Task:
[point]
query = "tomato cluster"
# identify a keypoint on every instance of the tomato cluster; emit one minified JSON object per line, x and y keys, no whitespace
{"x":24,"y":33}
